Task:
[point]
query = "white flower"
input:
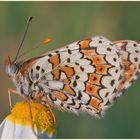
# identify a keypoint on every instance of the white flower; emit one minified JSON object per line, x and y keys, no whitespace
{"x":19,"y":125}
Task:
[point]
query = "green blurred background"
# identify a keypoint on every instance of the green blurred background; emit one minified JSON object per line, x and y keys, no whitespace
{"x":66,"y":22}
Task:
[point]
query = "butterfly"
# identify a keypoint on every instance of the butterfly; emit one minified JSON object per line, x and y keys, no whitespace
{"x":85,"y":76}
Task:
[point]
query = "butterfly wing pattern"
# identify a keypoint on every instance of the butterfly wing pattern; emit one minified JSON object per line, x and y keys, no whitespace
{"x":84,"y":76}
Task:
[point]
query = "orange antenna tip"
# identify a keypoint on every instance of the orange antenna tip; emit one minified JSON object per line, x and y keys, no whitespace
{"x":48,"y":40}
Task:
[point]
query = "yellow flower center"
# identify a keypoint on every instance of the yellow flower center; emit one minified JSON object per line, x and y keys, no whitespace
{"x":42,"y":116}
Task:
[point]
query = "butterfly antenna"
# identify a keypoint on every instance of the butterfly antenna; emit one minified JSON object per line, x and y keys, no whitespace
{"x":26,"y":29}
{"x":46,"y":41}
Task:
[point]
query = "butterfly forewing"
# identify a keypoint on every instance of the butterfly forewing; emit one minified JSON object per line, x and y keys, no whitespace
{"x":83,"y":76}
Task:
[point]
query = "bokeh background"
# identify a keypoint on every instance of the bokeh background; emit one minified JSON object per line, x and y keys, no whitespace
{"x":66,"y":22}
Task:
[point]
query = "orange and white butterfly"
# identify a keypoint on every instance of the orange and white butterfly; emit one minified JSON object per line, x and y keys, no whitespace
{"x":85,"y":76}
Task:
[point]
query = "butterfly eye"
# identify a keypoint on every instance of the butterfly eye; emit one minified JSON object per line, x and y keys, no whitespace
{"x":13,"y":68}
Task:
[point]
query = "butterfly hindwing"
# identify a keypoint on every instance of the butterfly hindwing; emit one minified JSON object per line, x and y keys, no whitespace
{"x":130,"y":54}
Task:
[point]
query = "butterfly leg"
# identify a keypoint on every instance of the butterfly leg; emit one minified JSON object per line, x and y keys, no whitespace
{"x":45,"y":101}
{"x":30,"y":114}
{"x":28,"y":101}
{"x":10,"y":90}
{"x":50,"y":108}
{"x":31,"y":119}
{"x":39,"y":96}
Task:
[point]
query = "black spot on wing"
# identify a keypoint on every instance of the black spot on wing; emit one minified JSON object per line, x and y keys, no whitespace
{"x":68,"y":60}
{"x":50,"y":55}
{"x":100,"y":41}
{"x":69,"y":51}
{"x":106,"y":94}
{"x":42,"y":70}
{"x":74,"y":83}
{"x":61,"y":104}
{"x":112,"y":82}
{"x":114,"y":59}
{"x":135,"y":45}
{"x":116,"y":71}
{"x":136,"y":51}
{"x":136,"y":59}
{"x":37,"y":67}
{"x":79,"y":95}
{"x":77,"y":77}
{"x":109,"y":49}
{"x":68,"y":107}
{"x":82,"y":69}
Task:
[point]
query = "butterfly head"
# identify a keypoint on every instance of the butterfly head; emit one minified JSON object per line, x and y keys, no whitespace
{"x":11,"y":67}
